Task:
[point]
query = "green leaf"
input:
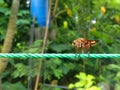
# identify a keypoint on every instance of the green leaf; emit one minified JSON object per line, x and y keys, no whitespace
{"x":66,"y":69}
{"x":79,"y":84}
{"x":33,"y":50}
{"x":117,"y":77}
{"x":37,"y":43}
{"x":22,"y":21}
{"x":118,"y":74}
{"x":80,"y":89}
{"x":23,"y":12}
{"x":21,"y":70}
{"x":47,"y":75}
{"x":114,"y":4}
{"x":1,"y":1}
{"x":81,"y":76}
{"x":90,"y":77}
{"x":82,"y":83}
{"x":7,"y":13}
{"x":113,"y":67}
{"x":71,"y":86}
{"x":4,"y":10}
{"x":58,"y":73}
{"x":60,"y":47}
{"x":89,"y":84}
{"x":57,"y":61}
{"x":16,"y":86}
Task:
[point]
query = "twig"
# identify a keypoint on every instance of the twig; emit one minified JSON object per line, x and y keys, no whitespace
{"x":43,"y":47}
{"x":55,"y":7}
{"x":62,"y":11}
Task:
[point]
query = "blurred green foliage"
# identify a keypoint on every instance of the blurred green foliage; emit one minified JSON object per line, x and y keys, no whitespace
{"x":92,"y":19}
{"x":86,"y":82}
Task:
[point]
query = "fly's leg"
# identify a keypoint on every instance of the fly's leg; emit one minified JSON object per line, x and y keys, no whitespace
{"x":83,"y":59}
{"x":88,"y":49}
{"x":79,"y":54}
{"x":88,"y":52}
{"x":82,"y":48}
{"x":79,"y":46}
{"x":76,"y":49}
{"x":82,"y":51}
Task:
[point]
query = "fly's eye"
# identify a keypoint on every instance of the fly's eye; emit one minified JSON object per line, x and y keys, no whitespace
{"x":73,"y":43}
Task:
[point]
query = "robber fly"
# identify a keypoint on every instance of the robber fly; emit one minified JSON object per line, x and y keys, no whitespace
{"x":83,"y":43}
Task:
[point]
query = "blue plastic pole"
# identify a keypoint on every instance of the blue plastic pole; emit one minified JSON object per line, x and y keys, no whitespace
{"x":39,"y":10}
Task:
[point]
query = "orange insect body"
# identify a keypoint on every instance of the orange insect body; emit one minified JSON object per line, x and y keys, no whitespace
{"x":83,"y":44}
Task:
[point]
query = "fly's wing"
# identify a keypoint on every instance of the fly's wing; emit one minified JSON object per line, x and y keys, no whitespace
{"x":82,"y":41}
{"x":92,"y":42}
{"x":89,"y":43}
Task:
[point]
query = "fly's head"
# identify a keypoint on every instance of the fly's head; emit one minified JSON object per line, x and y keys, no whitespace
{"x":74,"y":43}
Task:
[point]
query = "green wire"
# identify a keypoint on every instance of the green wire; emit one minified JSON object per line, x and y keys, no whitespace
{"x":58,"y":55}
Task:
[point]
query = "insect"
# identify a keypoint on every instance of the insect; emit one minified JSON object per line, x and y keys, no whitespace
{"x":83,"y":43}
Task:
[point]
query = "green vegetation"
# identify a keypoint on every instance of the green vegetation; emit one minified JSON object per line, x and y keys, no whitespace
{"x":86,"y":82}
{"x":91,"y":19}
